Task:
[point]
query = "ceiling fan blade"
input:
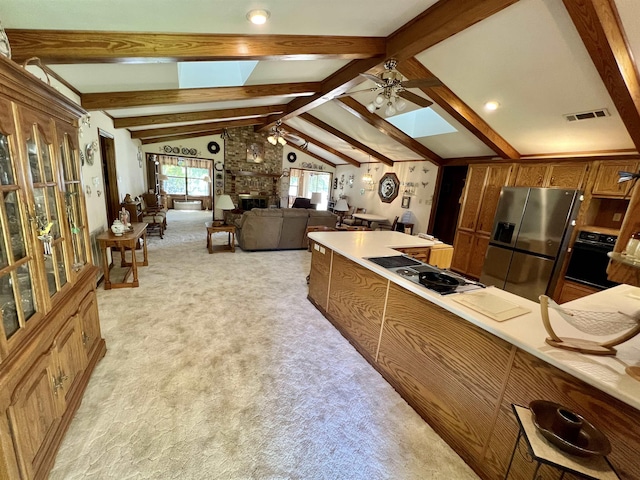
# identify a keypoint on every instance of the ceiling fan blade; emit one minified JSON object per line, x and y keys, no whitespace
{"x":373,"y":78}
{"x":421,"y":82}
{"x":417,"y":99}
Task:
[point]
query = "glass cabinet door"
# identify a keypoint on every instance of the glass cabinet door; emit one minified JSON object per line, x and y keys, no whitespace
{"x":18,"y":295}
{"x":46,"y":201}
{"x":73,"y":199}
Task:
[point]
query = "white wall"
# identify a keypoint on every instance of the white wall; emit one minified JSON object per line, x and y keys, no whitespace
{"x":412,"y":172}
{"x":199,"y":143}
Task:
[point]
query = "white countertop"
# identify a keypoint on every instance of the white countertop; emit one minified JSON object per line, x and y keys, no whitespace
{"x":526,"y":331}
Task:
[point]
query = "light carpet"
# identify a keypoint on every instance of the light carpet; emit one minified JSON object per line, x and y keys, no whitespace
{"x":218,"y":367}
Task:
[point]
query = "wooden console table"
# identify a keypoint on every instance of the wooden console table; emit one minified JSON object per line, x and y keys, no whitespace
{"x":128,"y":240}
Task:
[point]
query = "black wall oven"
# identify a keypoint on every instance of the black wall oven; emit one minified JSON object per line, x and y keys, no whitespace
{"x":589,"y":260}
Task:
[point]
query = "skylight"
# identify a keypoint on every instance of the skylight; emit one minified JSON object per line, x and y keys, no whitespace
{"x":214,"y":74}
{"x":421,"y":123}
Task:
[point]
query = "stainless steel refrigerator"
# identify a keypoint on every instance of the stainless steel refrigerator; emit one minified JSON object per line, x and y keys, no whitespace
{"x":529,"y":239}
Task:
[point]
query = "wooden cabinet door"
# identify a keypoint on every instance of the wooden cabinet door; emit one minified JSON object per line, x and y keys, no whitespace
{"x":497,"y":177}
{"x":70,"y":356}
{"x":472,"y":197}
{"x":90,"y":323}
{"x":34,"y":413}
{"x":357,"y":301}
{"x":530,"y":175}
{"x":573,"y":291}
{"x":319,"y":274}
{"x":607,"y":180}
{"x":462,"y":247}
{"x":476,"y":257}
{"x":570,"y":175}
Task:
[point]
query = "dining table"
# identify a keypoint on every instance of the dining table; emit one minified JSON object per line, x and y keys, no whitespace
{"x":370,"y":218}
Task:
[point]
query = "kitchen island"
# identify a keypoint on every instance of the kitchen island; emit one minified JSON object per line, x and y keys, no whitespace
{"x":460,"y":370}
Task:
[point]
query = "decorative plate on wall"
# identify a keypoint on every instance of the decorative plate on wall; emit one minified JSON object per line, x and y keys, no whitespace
{"x":291,"y":156}
{"x":167,"y":149}
{"x":388,"y":187}
{"x":213,"y":147}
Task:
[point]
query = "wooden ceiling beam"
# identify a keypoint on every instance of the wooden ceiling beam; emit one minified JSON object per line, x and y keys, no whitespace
{"x":77,"y":46}
{"x":195,"y":128}
{"x":321,"y":145}
{"x":351,"y":141}
{"x":113,"y":100}
{"x":229,"y":113}
{"x":173,"y":138}
{"x":442,"y":20}
{"x":601,"y":30}
{"x":354,"y":107}
{"x":311,"y":154}
{"x":454,"y":106}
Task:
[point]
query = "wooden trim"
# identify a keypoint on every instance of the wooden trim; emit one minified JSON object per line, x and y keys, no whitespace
{"x":535,"y":159}
{"x":311,"y":154}
{"x":324,"y":146}
{"x":454,"y":106}
{"x":184,"y":136}
{"x":442,"y":20}
{"x":77,"y":46}
{"x":354,"y":107}
{"x":228,"y":113}
{"x":111,"y":100}
{"x":194,"y":128}
{"x":436,"y":199}
{"x":602,"y":33}
{"x":353,"y":142}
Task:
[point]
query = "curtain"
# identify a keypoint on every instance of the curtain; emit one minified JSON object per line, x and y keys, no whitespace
{"x":185,"y":162}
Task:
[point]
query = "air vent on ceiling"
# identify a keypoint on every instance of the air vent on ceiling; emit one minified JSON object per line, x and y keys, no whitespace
{"x":572,"y":117}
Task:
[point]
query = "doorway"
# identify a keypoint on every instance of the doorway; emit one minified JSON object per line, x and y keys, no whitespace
{"x":303,"y":183}
{"x":448,"y":208}
{"x":110,"y":175}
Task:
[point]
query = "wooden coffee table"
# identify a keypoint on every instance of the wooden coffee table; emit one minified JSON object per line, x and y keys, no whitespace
{"x":214,"y":227}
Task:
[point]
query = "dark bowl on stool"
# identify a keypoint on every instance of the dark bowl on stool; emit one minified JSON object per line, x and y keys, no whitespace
{"x":568,"y":430}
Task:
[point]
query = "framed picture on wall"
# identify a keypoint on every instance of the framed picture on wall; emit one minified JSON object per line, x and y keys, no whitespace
{"x":255,"y":152}
{"x":406,"y":200}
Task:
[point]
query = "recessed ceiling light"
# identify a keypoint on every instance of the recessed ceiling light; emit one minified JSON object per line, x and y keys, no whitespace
{"x":258,"y":17}
{"x":491,"y":105}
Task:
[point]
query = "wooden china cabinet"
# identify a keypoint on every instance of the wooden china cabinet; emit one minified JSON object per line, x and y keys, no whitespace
{"x":50,"y":337}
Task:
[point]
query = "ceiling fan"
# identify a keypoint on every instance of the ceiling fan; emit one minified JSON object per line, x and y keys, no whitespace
{"x":392,"y":90}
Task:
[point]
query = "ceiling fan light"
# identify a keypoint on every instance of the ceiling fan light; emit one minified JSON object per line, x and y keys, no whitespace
{"x":379,"y":100}
{"x":401,"y":104}
{"x":258,"y":17}
{"x":282,"y":141}
{"x":390,"y":110}
{"x":271,"y":139}
{"x":371,"y":107}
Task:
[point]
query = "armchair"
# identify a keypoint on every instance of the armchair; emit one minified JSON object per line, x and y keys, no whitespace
{"x":153,"y":214}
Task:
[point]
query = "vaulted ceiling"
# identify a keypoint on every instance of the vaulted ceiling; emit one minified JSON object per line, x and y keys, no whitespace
{"x":539,"y":59}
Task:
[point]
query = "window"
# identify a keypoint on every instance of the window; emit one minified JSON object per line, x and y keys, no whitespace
{"x":186,"y":180}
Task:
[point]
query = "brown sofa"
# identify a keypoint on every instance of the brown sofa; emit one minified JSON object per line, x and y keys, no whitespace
{"x":279,"y":228}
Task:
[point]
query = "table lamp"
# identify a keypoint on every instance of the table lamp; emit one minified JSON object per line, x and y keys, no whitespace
{"x":224,"y":203}
{"x":341,"y":207}
{"x":316,"y":199}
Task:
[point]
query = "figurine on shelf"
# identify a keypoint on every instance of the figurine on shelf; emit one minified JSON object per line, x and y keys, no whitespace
{"x":127,"y":198}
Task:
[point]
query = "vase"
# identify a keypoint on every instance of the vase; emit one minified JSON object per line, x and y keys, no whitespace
{"x":118,"y":228}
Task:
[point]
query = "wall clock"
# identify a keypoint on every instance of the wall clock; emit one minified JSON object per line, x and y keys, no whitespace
{"x":388,"y":187}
